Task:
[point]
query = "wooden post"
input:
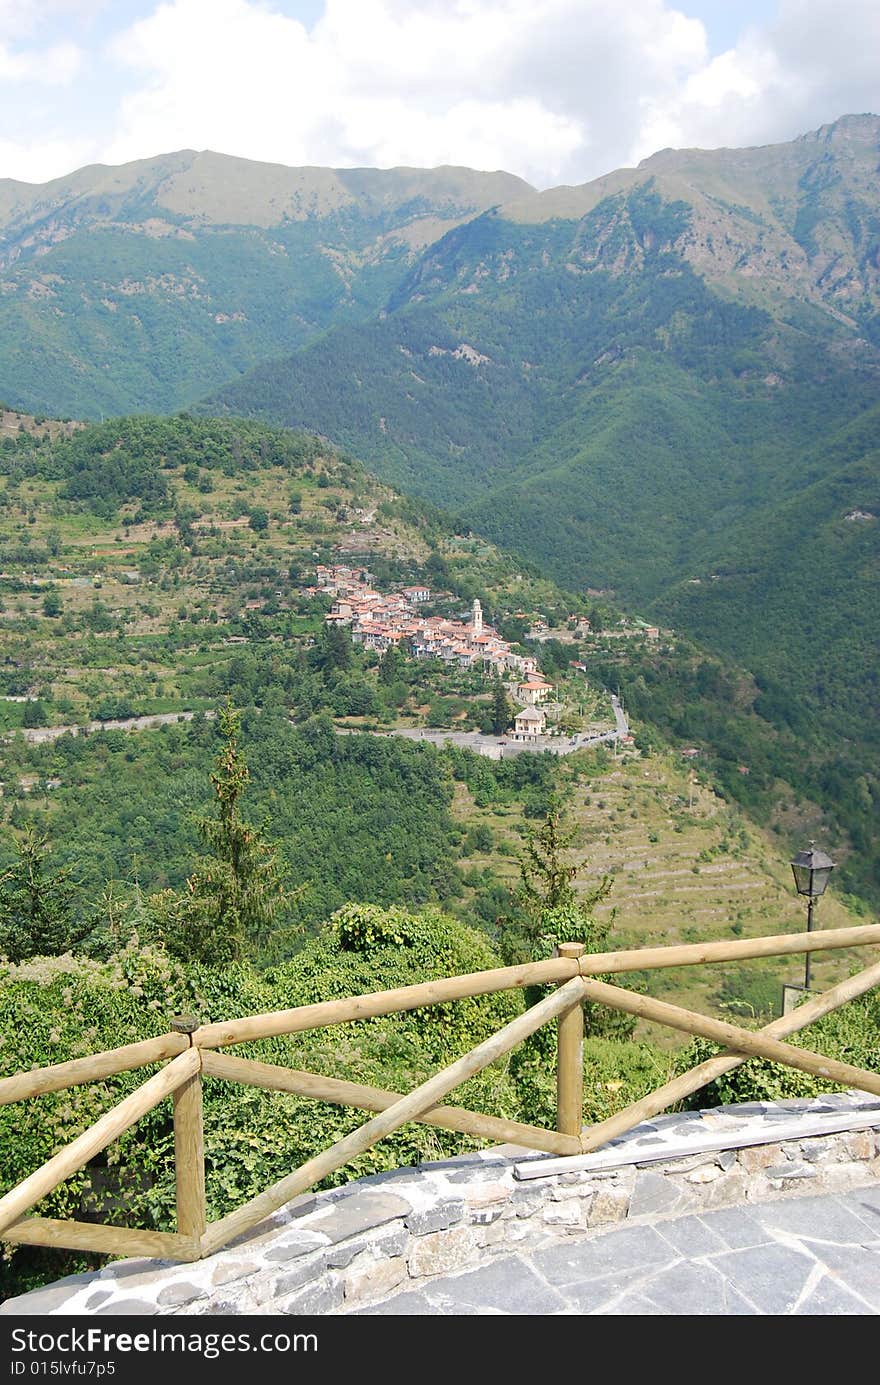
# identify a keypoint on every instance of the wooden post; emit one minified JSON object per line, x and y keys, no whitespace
{"x":407,"y":1109}
{"x":108,"y":1128}
{"x":189,"y":1147}
{"x":570,"y":1059}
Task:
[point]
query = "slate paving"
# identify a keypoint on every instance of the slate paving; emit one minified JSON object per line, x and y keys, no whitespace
{"x":793,"y":1257}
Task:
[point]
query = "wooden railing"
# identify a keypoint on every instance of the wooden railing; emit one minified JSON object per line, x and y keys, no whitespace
{"x":190,"y":1051}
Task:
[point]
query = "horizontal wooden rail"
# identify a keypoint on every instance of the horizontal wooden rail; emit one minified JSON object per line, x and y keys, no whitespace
{"x":101,"y":1239}
{"x":78,"y":1070}
{"x":376,"y":1003}
{"x":408,"y":1108}
{"x":728,"y":950}
{"x":277,"y":1079}
{"x":747,"y":1041}
{"x":689,"y":1082}
{"x":108,"y":1128}
{"x":557,"y":969}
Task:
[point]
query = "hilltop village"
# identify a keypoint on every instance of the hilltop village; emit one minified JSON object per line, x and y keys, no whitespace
{"x":380,"y":620}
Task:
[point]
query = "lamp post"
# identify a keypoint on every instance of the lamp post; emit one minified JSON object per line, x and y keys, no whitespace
{"x":811,"y":870}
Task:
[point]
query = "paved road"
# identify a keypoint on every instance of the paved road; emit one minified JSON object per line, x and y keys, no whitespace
{"x":497,"y":747}
{"x":795,"y":1256}
{"x":39,"y":735}
{"x":494,"y":747}
{"x":619,"y":716}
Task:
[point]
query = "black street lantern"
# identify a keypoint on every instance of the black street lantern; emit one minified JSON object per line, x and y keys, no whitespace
{"x":811,"y":870}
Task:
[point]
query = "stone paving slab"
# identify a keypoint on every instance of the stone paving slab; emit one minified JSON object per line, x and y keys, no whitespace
{"x":407,"y":1304}
{"x":509,"y":1286}
{"x":735,"y":1225}
{"x":771,"y":1275}
{"x":629,"y":1249}
{"x":856,"y":1268}
{"x":802,"y":1257}
{"x":692,"y":1237}
{"x":829,"y":1299}
{"x":866,"y":1203}
{"x":813,"y":1218}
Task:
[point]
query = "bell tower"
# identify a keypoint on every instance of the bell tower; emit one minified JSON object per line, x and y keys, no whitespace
{"x":477,"y":618}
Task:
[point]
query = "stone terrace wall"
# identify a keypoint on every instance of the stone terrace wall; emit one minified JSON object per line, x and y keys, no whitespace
{"x":338,"y":1250}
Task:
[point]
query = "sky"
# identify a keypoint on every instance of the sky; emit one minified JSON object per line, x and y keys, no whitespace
{"x":558,"y":91}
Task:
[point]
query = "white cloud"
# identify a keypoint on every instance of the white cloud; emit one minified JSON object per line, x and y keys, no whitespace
{"x":38,"y":161}
{"x":50,"y":66}
{"x":24,"y":56}
{"x":556,"y":90}
{"x":541,"y":87}
{"x":23,"y":18}
{"x":817,"y":61}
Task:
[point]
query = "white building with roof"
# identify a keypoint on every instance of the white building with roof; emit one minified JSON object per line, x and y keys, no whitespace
{"x":529,"y":723}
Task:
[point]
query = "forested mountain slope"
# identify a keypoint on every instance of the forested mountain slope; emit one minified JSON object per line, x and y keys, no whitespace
{"x":141,"y":287}
{"x":664,"y":384}
{"x":153,"y":566}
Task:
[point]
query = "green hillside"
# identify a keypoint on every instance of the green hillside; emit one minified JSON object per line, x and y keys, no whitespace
{"x":153,"y":566}
{"x":142,"y":287}
{"x":661,"y":385}
{"x":675,"y":406}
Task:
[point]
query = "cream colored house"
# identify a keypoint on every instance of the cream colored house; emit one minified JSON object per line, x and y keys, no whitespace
{"x":533,"y":690}
{"x":529,"y":724}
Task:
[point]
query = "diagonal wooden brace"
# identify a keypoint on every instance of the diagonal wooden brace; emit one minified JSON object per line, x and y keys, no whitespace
{"x":104,"y":1131}
{"x":746,"y":1041}
{"x":408,"y":1108}
{"x":689,"y":1082}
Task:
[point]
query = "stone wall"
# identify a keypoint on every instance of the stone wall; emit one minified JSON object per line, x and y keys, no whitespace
{"x":339,"y":1250}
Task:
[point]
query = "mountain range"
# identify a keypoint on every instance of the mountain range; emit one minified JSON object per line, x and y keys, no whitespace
{"x":663,"y":383}
{"x":141,"y":287}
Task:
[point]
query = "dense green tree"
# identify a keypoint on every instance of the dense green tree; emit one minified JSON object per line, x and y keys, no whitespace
{"x":235,"y":891}
{"x":34,"y":713}
{"x":390,"y":666}
{"x":552,"y":912}
{"x":36,"y":906}
{"x":333,"y":650}
{"x":545,"y":875}
{"x":555,"y":657}
{"x":502,"y":711}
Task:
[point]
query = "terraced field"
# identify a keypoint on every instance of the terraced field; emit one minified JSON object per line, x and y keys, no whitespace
{"x":686,"y":867}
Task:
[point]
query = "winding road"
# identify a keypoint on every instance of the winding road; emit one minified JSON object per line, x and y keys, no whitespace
{"x":493,"y":747}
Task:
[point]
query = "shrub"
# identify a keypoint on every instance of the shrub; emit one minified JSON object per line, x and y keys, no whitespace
{"x":53,"y":1009}
{"x":851,"y":1034}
